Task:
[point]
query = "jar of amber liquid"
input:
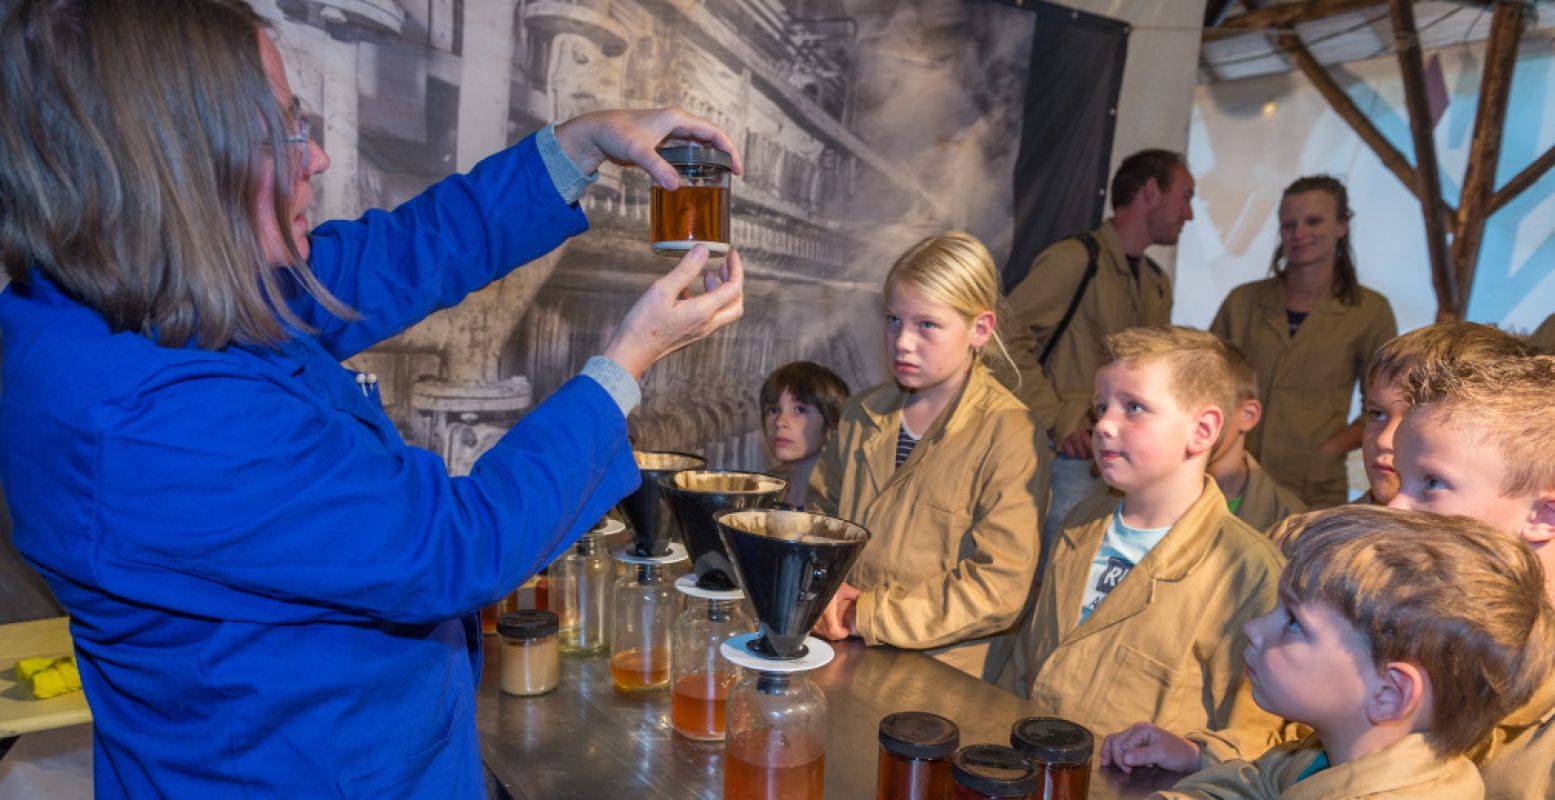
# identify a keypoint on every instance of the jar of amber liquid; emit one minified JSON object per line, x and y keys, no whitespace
{"x":702,"y":679}
{"x":1062,"y":752}
{"x":915,"y":750}
{"x":777,"y":738}
{"x":529,"y":655}
{"x":698,"y":211}
{"x":645,"y":607}
{"x":991,"y":772}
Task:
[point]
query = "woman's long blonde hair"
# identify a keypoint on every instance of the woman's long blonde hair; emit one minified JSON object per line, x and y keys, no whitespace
{"x":131,"y":152}
{"x":955,"y":269}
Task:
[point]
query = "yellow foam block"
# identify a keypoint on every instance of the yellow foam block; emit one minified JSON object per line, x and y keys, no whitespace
{"x":50,"y":677}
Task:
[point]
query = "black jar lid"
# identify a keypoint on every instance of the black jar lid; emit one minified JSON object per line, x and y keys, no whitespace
{"x":531,"y":623}
{"x":693,"y":154}
{"x":919,"y":734}
{"x":994,"y":770}
{"x":1053,"y":741}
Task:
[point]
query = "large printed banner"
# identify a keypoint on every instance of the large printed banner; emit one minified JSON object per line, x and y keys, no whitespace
{"x":865,"y":125}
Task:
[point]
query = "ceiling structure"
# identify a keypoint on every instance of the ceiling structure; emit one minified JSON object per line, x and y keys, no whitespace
{"x":1239,"y":34}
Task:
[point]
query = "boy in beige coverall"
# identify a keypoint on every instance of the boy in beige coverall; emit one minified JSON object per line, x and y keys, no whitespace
{"x":1140,"y":612}
{"x":1251,"y":493}
{"x":1477,"y":444}
{"x":1401,"y":637}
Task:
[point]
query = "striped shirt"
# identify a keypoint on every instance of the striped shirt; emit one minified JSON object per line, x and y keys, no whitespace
{"x":905,"y":442}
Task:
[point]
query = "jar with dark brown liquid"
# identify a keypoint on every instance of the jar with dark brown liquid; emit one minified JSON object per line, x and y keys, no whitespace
{"x":1062,"y":752}
{"x":993,"y":772}
{"x":915,"y":750}
{"x":698,"y":211}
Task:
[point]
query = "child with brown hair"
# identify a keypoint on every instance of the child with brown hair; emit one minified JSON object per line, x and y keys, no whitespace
{"x":1401,"y":362}
{"x":1251,"y":493}
{"x":1478,"y":441}
{"x":1141,"y":607}
{"x":1400,"y":638}
{"x":944,"y":467}
{"x":801,"y":403}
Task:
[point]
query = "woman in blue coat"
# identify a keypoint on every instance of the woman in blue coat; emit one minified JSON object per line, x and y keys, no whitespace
{"x":270,"y":591}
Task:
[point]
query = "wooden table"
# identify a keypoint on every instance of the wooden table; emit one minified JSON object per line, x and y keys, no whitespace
{"x":586,"y":740}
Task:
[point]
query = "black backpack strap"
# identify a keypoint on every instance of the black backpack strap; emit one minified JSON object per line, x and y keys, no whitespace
{"x":1092,"y":252}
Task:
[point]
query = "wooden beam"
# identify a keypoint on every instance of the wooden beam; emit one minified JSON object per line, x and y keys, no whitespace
{"x":1506,"y":27}
{"x":1349,"y":111}
{"x":1286,"y":15}
{"x":1514,"y":187}
{"x":1449,"y":301}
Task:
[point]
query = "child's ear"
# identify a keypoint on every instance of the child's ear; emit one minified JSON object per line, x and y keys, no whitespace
{"x":1206,"y":430}
{"x":983,"y":326}
{"x":1541,"y":522}
{"x":1400,"y":693}
{"x":1252,"y":412}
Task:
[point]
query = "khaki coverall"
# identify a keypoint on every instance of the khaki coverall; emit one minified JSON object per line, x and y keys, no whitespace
{"x":1166,"y":644}
{"x":1405,"y":770}
{"x":1264,"y":502}
{"x":1061,"y":397}
{"x":1516,"y":761}
{"x":1542,"y":340}
{"x":954,"y":531}
{"x":1306,"y":382}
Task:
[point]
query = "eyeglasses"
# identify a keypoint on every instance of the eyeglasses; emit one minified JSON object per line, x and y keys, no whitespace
{"x":302,"y":135}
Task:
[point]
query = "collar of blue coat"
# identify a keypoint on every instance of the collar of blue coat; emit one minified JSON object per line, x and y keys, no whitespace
{"x":290,"y":355}
{"x":1176,"y":556}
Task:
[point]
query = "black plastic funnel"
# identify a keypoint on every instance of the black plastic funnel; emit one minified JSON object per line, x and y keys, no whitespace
{"x":790,"y":563}
{"x":696,"y":495}
{"x":652,"y":524}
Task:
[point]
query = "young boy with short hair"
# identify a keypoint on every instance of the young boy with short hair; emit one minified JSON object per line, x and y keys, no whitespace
{"x":1402,"y":362}
{"x":1400,"y":638}
{"x":1251,"y":493}
{"x":1140,"y":613}
{"x":1479,"y":441}
{"x":801,"y":403}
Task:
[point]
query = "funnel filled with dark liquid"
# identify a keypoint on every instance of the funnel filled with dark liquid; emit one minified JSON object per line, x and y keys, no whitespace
{"x":696,"y":496}
{"x":790,"y":564}
{"x":653,"y":525}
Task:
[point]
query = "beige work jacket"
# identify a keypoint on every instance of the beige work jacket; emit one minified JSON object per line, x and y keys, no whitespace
{"x":1265,"y":503}
{"x":1517,"y":759}
{"x":1166,"y":644}
{"x":1060,"y":397}
{"x":1305,"y":382}
{"x":955,"y":531}
{"x":1542,"y":340}
{"x":1405,"y":770}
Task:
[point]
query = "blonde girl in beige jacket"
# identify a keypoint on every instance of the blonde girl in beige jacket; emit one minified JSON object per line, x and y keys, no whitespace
{"x":942,"y":464}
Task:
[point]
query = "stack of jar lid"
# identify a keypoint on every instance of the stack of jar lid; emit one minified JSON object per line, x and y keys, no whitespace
{"x":1048,"y":759}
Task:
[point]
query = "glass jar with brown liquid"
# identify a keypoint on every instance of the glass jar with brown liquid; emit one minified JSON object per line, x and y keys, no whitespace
{"x":915,"y":750}
{"x":698,"y":211}
{"x":777,"y":738}
{"x":640,"y":618}
{"x":1062,"y":752}
{"x":993,"y":772}
{"x":702,"y":679}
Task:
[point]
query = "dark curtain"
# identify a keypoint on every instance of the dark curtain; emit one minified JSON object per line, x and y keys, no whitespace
{"x":1066,"y":136}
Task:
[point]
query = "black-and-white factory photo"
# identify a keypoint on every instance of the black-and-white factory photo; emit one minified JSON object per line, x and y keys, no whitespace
{"x":864,"y":126}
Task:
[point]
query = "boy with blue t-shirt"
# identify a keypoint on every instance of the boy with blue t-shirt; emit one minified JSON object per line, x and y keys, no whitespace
{"x":1140,"y":611}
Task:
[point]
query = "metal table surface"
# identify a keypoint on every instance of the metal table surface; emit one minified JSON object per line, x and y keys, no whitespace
{"x":586,"y":740}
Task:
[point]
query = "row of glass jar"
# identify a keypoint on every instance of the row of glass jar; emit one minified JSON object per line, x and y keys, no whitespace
{"x":921,"y":759}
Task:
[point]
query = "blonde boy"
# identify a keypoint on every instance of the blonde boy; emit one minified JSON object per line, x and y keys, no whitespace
{"x":1480,"y":441}
{"x":1250,"y":492}
{"x":1400,"y":638}
{"x":1400,"y":363}
{"x":1140,"y":612}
